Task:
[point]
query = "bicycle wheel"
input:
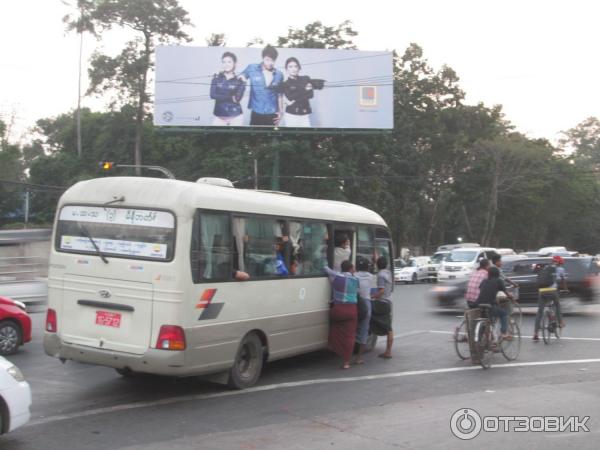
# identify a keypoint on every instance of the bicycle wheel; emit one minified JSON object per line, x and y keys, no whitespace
{"x":483,"y":343}
{"x":557,"y":329}
{"x":517,"y":313}
{"x":461,"y":341}
{"x":549,"y":325}
{"x":510,"y":349}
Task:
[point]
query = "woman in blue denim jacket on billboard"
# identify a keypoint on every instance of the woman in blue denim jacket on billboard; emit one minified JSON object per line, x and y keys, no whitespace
{"x":227,"y":90}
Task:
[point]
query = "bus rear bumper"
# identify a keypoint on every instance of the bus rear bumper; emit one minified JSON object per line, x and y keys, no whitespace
{"x":153,"y":361}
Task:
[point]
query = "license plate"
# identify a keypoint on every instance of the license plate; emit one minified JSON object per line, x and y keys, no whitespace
{"x":108,"y":319}
{"x":452,"y":277}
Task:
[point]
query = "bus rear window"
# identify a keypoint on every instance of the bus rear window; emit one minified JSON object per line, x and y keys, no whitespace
{"x":121,"y":232}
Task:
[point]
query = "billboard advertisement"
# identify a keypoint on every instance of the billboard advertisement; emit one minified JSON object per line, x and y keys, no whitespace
{"x":267,"y":87}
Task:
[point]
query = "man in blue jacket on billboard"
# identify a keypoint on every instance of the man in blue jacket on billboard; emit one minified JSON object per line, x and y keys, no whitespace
{"x":266,"y":104}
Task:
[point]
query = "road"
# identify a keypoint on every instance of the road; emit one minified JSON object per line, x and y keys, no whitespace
{"x":308,"y":403}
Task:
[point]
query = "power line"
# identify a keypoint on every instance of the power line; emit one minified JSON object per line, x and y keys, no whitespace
{"x":34,"y":186}
{"x":282,"y":68}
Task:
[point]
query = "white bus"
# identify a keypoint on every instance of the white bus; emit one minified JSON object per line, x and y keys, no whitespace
{"x":141,"y":275}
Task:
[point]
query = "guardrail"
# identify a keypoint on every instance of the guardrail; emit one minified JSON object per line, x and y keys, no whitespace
{"x":17,"y":268}
{"x":23,"y":278}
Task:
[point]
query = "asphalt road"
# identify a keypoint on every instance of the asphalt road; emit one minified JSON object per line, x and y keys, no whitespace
{"x":308,"y":403}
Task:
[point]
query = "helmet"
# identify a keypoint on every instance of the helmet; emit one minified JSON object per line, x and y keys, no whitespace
{"x":558,"y":260}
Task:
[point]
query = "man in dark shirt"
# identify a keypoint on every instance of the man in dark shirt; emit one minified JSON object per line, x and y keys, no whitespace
{"x":488,"y":290}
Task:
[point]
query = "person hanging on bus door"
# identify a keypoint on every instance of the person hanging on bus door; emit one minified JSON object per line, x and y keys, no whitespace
{"x":342,"y":251}
{"x":343,"y":314}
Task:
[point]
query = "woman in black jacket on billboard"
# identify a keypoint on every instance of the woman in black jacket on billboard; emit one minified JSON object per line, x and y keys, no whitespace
{"x":227,"y":90}
{"x":298,"y":90}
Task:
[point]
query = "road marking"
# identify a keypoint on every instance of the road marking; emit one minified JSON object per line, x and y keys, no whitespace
{"x":292,"y":384}
{"x":562,"y":338}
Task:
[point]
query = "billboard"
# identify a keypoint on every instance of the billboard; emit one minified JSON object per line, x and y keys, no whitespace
{"x":284,"y":87}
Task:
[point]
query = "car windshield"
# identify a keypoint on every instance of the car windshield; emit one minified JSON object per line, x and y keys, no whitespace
{"x":461,"y":256}
{"x":412,"y":263}
{"x":438,"y":257}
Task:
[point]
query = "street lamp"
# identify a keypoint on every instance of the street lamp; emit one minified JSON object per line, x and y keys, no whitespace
{"x":459,"y":239}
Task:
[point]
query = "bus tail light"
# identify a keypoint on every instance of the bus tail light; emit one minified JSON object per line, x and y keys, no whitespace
{"x":51,"y":321}
{"x":171,"y":337}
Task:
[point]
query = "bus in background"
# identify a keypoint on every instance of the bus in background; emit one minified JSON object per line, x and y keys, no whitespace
{"x":144,"y":274}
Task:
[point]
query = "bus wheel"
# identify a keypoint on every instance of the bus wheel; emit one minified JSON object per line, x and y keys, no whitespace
{"x":248,"y":363}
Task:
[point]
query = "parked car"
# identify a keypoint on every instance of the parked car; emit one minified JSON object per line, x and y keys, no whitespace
{"x":449,"y":247}
{"x":549,"y":251}
{"x":581,"y":273}
{"x":459,"y":264}
{"x":15,"y":397}
{"x":15,"y":326}
{"x":434,"y":264}
{"x":506,"y":251}
{"x":415,"y":270}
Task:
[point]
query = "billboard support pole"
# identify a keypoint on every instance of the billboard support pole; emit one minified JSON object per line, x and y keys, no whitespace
{"x":255,"y":174}
{"x":275,"y":173}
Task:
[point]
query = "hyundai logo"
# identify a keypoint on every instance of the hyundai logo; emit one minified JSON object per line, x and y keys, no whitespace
{"x":104,"y":293}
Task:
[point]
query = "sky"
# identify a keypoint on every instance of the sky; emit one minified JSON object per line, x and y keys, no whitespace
{"x":539,"y":59}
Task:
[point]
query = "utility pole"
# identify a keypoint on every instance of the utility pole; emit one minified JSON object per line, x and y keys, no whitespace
{"x":79,"y":151}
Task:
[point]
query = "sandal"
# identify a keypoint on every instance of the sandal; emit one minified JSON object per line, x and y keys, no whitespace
{"x":384,"y":356}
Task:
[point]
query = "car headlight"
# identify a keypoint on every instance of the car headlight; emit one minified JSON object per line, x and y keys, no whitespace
{"x":14,"y":372}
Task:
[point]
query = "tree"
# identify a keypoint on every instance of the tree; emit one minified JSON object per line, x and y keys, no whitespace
{"x":216,"y":40}
{"x":584,"y":140}
{"x":317,"y":35}
{"x":158,"y":21}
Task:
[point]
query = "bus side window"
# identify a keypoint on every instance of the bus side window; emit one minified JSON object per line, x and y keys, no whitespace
{"x":309,"y":248}
{"x":211,"y":247}
{"x":260,"y":252}
{"x":366,"y":246}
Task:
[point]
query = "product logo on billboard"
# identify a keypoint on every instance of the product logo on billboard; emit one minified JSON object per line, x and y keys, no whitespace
{"x":167,"y":116}
{"x":368,"y":95}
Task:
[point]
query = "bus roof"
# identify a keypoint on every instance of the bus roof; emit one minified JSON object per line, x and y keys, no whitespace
{"x":184,"y":197}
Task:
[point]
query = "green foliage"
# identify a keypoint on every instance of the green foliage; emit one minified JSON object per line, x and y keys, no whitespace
{"x":317,"y":35}
{"x":448,"y":169}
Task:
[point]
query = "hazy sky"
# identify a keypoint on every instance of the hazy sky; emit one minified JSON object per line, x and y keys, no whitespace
{"x":539,"y":59}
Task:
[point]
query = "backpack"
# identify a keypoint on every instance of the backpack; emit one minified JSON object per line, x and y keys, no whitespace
{"x":546,"y":277}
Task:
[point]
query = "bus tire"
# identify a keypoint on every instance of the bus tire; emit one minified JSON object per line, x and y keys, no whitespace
{"x":248,"y":363}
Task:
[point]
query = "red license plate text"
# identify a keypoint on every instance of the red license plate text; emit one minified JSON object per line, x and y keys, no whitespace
{"x":108,"y":319}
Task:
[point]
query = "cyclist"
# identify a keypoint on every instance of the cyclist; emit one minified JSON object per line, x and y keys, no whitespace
{"x":475,"y":281}
{"x":559,"y":281}
{"x":487,"y":295}
{"x":497,"y":261}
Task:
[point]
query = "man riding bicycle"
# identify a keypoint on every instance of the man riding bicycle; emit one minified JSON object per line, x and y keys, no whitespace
{"x":487,"y":295}
{"x":558,"y":281}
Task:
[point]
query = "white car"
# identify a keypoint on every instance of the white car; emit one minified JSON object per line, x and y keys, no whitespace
{"x":415,"y":270}
{"x":459,"y":264}
{"x":435,"y":263}
{"x":15,"y":397}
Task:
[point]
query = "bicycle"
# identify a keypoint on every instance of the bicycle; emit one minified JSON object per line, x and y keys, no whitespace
{"x":549,"y":324}
{"x":461,"y":335}
{"x":486,"y":329}
{"x":461,"y":340}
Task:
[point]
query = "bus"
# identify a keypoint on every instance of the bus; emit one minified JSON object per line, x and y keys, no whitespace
{"x":144,"y":275}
